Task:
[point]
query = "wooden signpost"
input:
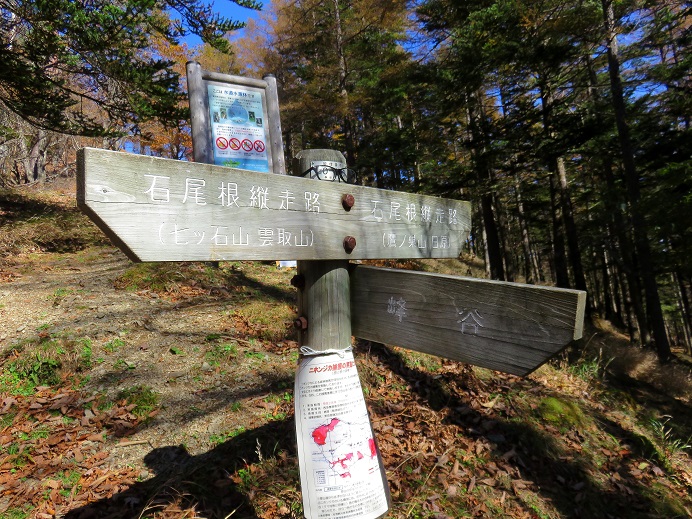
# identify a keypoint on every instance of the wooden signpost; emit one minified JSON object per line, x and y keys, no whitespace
{"x":165,"y":210}
{"x":507,"y":327}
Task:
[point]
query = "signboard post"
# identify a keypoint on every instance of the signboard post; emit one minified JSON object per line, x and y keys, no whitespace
{"x":235,"y":120}
{"x":341,"y":469}
{"x":164,"y":210}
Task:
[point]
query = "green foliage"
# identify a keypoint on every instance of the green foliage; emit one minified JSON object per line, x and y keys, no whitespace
{"x":591,"y":369}
{"x":23,"y":375}
{"x":666,"y":440}
{"x":106,"y":81}
{"x":221,"y":353}
{"x":144,"y":398}
{"x":222,"y":438}
{"x":113,"y":345}
{"x":159,"y":277}
{"x":560,"y":412}
{"x":17,"y":513}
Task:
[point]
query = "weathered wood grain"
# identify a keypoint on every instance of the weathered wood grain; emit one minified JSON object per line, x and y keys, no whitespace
{"x":325,"y":304}
{"x":276,"y":146}
{"x":508,"y":327}
{"x":165,"y":210}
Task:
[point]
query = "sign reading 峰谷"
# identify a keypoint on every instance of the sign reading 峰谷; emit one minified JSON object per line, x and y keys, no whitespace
{"x":509,"y":327}
{"x":167,"y":210}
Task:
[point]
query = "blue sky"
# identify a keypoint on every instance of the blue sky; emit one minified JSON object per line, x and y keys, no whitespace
{"x":227,"y":9}
{"x":233,"y":11}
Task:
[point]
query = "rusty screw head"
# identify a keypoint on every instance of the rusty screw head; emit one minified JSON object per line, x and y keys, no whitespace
{"x":301,"y":323}
{"x":349,"y":244}
{"x":298,"y":281}
{"x":348,"y":201}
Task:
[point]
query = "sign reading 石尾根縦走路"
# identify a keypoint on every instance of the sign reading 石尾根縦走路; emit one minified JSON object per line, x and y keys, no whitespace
{"x":237,"y":116}
{"x":341,"y":471}
{"x":167,"y":210}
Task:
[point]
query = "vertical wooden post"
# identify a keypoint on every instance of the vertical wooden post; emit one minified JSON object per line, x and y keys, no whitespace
{"x":199,"y":114}
{"x":274,"y":125}
{"x":324,"y":321}
{"x":324,"y":302}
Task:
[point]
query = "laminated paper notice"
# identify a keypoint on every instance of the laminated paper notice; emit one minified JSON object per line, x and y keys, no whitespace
{"x":340,"y":472}
{"x":238,"y":127}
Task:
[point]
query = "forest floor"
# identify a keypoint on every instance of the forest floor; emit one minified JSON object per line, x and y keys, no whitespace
{"x":166,"y":391}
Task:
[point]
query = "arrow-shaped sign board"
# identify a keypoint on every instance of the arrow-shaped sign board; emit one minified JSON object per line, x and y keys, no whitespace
{"x":167,"y":210}
{"x":508,"y":327}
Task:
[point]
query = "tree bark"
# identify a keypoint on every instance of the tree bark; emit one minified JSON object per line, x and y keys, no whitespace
{"x":641,"y":239}
{"x":530,"y":273}
{"x":559,"y":256}
{"x":571,"y":230}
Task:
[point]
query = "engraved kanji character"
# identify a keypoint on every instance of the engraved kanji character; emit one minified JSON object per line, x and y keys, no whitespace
{"x":266,"y":236}
{"x":219,"y":238}
{"x":376,"y":211}
{"x":453,"y":220}
{"x":470,"y":321}
{"x":312,"y":202}
{"x":193,"y":191}
{"x":284,"y":237}
{"x":156,"y":193}
{"x":394,"y":211}
{"x":411,"y":212}
{"x":286,"y":199}
{"x":425,"y":213}
{"x":259,"y":196}
{"x":397,"y":307}
{"x":229,"y":194}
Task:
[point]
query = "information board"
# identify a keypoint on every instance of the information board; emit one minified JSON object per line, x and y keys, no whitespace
{"x":238,"y":130}
{"x":235,"y":120}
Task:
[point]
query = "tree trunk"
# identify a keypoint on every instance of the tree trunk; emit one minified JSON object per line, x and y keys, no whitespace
{"x":557,"y":213}
{"x":530,"y":274}
{"x":484,"y":175}
{"x":684,"y":303}
{"x":619,"y":242}
{"x":492,"y":238}
{"x":559,"y":256}
{"x":571,"y":229}
{"x":641,"y":239}
{"x":350,"y":151}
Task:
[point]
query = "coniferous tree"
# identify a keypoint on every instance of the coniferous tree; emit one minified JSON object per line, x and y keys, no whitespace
{"x":62,"y":61}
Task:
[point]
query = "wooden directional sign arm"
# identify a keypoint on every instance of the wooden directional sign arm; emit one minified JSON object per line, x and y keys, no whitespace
{"x":508,"y":327}
{"x":167,"y":210}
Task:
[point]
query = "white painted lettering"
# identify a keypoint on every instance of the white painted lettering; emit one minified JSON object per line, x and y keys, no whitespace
{"x":156,"y":193}
{"x":193,"y":191}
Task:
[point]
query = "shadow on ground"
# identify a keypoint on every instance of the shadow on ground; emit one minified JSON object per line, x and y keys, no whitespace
{"x":561,"y":476}
{"x":204,"y":482}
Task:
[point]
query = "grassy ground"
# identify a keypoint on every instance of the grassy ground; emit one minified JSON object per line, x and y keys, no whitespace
{"x":166,"y":391}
